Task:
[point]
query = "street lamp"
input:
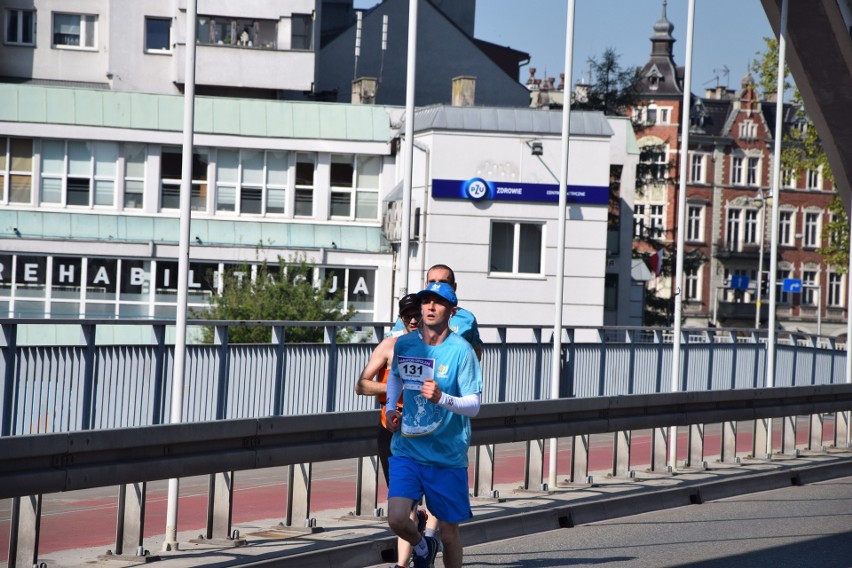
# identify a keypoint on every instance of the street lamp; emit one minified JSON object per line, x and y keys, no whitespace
{"x":760,"y":201}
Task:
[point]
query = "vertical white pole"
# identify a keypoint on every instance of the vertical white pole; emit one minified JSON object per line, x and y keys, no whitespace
{"x":848,"y":339}
{"x":358,"y":20}
{"x":171,"y":542}
{"x":759,"y":282}
{"x":408,"y":153}
{"x":776,"y":194}
{"x":681,"y":222}
{"x":559,"y":278}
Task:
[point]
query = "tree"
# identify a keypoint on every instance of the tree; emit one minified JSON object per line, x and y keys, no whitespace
{"x":765,"y":67}
{"x":286,"y":292}
{"x":659,"y":311}
{"x":801,"y":151}
{"x":835,"y":235}
{"x":613,"y":90}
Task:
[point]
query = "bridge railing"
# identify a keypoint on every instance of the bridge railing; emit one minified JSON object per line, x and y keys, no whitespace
{"x":32,"y":465}
{"x":93,"y":384}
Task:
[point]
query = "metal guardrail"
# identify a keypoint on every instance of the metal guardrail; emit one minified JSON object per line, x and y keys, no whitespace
{"x":49,"y":463}
{"x":95,"y":385}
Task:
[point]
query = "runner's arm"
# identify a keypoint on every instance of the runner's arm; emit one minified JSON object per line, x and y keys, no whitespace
{"x":367,"y":383}
{"x":394,"y":386}
{"x":467,"y":405}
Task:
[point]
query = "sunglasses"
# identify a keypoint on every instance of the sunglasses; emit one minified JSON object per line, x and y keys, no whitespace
{"x":445,"y":281}
{"x":411,"y":316}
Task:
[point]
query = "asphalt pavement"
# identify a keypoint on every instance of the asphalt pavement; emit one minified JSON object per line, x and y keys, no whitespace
{"x":795,"y":527}
{"x":504,"y":529}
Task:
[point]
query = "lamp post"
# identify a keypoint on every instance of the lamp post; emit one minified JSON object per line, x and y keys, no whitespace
{"x":760,"y":202}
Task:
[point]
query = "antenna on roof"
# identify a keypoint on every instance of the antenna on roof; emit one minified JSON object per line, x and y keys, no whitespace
{"x":724,"y":72}
{"x":357,"y":43}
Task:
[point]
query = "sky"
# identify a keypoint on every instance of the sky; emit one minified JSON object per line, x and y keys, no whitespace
{"x":728,"y":33}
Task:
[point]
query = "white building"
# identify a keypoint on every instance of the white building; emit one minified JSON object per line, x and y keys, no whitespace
{"x":90,"y":157}
{"x":90,"y":182}
{"x":256,"y":48}
{"x":485,"y":202}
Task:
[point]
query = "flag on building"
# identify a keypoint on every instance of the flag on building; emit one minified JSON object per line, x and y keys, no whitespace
{"x":655,"y":262}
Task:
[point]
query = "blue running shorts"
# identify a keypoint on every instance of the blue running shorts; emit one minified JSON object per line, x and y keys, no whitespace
{"x":446,"y":489}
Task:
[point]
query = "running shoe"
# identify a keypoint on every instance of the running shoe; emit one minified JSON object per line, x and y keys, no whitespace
{"x":427,"y":561}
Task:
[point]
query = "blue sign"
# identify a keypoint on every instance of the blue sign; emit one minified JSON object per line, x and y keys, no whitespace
{"x":476,"y":189}
{"x":739,"y":282}
{"x":792,"y":285}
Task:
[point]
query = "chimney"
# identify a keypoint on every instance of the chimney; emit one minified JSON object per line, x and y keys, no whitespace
{"x":364,"y":91}
{"x":464,"y":91}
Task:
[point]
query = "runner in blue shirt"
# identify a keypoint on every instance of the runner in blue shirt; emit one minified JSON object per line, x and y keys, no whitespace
{"x":462,"y":321}
{"x":441,"y":381}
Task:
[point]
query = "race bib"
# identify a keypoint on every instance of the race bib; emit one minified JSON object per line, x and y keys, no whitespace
{"x":414,"y":371}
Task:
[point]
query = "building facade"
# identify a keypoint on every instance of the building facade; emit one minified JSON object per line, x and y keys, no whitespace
{"x":729,"y":193}
{"x":257,"y":48}
{"x":90,"y":175}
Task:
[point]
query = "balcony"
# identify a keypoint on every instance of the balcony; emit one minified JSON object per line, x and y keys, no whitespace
{"x":732,"y":313}
{"x":230,"y":66}
{"x":736,"y":251}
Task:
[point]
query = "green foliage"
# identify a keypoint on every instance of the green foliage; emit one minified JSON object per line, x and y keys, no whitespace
{"x":765,"y":68}
{"x":835,"y":235}
{"x":802,"y":151}
{"x":285,"y":292}
{"x":801,"y":147}
{"x":613,"y":90}
{"x":660,"y":311}
{"x":651,"y":171}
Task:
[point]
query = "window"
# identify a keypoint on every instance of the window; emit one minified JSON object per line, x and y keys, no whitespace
{"x":694,"y":214}
{"x":16,"y":163}
{"x":696,"y":170}
{"x":788,"y":178}
{"x":664,"y":115}
{"x":656,"y":221}
{"x":785,"y":228}
{"x":134,"y":176}
{"x":812,"y":229}
{"x":355,"y":179}
{"x":78,"y":173}
{"x":809,"y":283}
{"x":649,"y":219}
{"x":733,"y":229}
{"x":652,"y":166}
{"x":170,"y":175}
{"x":748,"y":130}
{"x":367,"y":187}
{"x":342,"y":183}
{"x":74,"y":30}
{"x":20,"y":27}
{"x":693,"y":285}
{"x":20,"y":170}
{"x":753,"y":171}
{"x":236,"y":32}
{"x":651,"y":115}
{"x":638,"y":220}
{"x":254,"y":179}
{"x":835,"y":233}
{"x":157,"y":34}
{"x":305,"y":168}
{"x":516,"y":248}
{"x":737,"y":170}
{"x":835,"y":290}
{"x":301,"y":32}
{"x":611,"y":292}
{"x":814,"y":179}
{"x":750,"y":235}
